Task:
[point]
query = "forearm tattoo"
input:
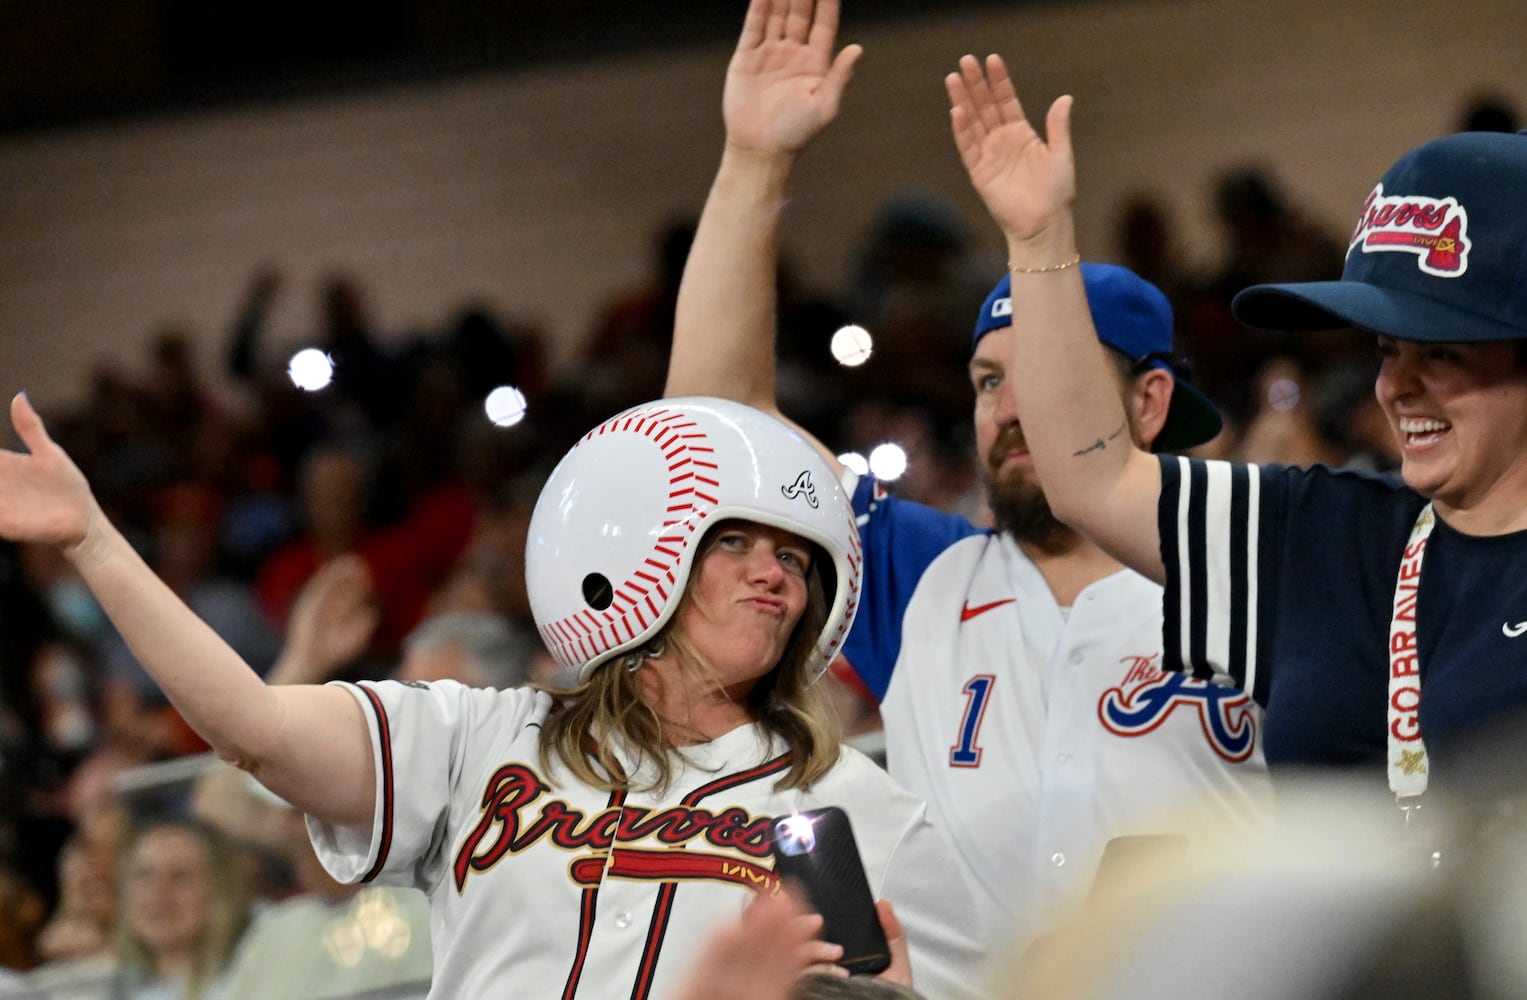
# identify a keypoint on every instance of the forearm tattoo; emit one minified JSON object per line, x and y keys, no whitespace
{"x":1100,"y":444}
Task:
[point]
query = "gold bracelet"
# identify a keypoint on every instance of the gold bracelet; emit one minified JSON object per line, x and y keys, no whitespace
{"x":1047,"y":269}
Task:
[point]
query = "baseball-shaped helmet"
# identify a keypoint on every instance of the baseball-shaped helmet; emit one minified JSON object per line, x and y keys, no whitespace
{"x":616,"y":527}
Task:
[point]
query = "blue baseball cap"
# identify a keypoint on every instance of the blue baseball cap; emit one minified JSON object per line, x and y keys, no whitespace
{"x":1439,"y":252}
{"x":1133,"y":317}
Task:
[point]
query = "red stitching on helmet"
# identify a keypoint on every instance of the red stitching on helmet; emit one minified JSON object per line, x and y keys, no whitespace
{"x":633,"y":606}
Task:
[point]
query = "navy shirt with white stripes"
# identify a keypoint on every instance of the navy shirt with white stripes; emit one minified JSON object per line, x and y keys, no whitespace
{"x":1283,"y":580}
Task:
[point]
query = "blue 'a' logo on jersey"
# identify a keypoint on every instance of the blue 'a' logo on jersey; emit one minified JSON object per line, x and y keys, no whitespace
{"x":1148,"y":696}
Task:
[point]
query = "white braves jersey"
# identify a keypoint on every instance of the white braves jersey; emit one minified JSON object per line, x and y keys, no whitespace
{"x":1036,"y":734}
{"x":543,"y":887}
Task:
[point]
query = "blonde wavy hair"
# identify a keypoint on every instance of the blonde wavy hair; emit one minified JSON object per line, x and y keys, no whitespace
{"x":785,"y":702}
{"x":228,"y":910}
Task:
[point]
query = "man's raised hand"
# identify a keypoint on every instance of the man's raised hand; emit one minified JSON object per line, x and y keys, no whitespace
{"x":1028,"y":183}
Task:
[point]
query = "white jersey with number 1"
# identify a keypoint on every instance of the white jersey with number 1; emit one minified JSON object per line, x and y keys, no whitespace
{"x":1036,"y":734}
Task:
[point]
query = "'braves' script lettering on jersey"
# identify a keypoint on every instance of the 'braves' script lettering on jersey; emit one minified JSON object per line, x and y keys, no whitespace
{"x":510,"y":825}
{"x":1147,"y":695}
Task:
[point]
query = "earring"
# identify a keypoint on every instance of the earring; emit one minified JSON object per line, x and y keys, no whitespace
{"x":633,"y":660}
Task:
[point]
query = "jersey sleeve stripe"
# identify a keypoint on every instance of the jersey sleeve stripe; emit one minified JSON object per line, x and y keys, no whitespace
{"x":1210,"y":541}
{"x":384,"y":756}
{"x":1220,"y":620}
{"x":1197,"y":596}
{"x":1247,"y":518}
{"x":1168,"y":516}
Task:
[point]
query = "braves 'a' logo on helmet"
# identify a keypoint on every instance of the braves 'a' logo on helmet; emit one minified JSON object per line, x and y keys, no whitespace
{"x":802,"y":487}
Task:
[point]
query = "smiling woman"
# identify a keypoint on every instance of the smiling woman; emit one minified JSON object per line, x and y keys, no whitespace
{"x":184,"y":907}
{"x":1306,"y":586}
{"x":1460,"y":413}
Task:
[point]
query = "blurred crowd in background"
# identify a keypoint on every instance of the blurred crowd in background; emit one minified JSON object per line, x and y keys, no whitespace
{"x":376,"y":528}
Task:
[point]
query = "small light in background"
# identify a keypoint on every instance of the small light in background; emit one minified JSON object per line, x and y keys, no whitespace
{"x":854,"y":462}
{"x":852,"y":346}
{"x":505,"y":406}
{"x":1283,"y":394}
{"x":310,"y":369}
{"x":888,"y":462}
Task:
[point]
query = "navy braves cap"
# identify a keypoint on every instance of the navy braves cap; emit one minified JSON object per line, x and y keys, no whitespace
{"x":1439,"y":252}
{"x":1133,"y":317}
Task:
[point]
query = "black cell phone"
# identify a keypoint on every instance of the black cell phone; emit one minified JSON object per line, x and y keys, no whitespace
{"x":815,"y":853}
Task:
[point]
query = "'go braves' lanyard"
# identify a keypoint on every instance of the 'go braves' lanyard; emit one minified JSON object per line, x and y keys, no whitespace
{"x":1407,"y":754}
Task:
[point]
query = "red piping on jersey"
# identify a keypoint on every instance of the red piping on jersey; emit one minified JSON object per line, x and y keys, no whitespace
{"x":586,"y":917}
{"x":638,"y":865}
{"x":664,"y":906}
{"x":384,"y":739}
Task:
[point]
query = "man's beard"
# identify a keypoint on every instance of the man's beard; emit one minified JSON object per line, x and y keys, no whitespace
{"x":1018,"y":505}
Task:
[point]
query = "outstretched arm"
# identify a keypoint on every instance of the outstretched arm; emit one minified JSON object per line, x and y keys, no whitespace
{"x":309,"y":745}
{"x":1074,"y":422}
{"x":783,"y":87}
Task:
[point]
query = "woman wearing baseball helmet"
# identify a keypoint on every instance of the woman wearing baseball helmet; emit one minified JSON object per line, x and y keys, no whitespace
{"x":697,"y":564}
{"x":711,"y":588}
{"x":1331,"y":596}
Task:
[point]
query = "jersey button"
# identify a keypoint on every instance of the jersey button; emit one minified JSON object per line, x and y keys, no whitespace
{"x":1078,"y":656}
{"x":622,"y":920}
{"x":1057,"y":859}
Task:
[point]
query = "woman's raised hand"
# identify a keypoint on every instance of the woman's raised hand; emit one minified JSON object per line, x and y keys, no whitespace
{"x":43,"y":495}
{"x":1028,"y":183}
{"x":784,"y":84}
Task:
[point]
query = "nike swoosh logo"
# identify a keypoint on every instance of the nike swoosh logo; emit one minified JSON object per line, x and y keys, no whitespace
{"x":967,"y":612}
{"x":1511,"y":631}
